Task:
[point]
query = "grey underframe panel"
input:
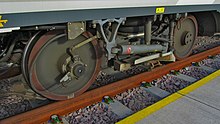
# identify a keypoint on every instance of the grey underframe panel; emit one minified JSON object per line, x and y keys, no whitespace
{"x":41,"y":18}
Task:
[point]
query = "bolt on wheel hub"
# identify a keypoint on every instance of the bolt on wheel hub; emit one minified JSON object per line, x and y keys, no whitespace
{"x":187,"y":39}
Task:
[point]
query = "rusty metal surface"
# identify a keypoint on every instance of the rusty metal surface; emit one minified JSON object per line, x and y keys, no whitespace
{"x":43,"y":114}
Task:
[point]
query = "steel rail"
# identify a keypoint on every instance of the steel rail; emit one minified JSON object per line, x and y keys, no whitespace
{"x":42,"y":114}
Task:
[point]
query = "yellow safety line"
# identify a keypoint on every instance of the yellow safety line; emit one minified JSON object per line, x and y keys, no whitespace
{"x":200,"y":83}
{"x":166,"y":101}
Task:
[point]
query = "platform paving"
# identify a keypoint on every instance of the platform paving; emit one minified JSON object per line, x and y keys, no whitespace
{"x":201,"y":106}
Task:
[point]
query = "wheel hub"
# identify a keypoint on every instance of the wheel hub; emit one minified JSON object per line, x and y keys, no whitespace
{"x":187,"y":39}
{"x":79,"y":70}
{"x":73,"y":66}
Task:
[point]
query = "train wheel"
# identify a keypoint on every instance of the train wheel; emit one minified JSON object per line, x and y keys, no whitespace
{"x":58,"y":75}
{"x":185,"y":33}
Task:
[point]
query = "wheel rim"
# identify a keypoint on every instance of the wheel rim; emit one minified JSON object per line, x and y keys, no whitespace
{"x":45,"y":71}
{"x":28,"y":52}
{"x":185,"y":33}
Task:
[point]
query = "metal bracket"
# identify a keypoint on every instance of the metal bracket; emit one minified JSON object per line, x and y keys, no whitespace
{"x":75,"y":29}
{"x":110,"y":41}
{"x":120,"y":66}
{"x":71,"y":50}
{"x":155,"y":56}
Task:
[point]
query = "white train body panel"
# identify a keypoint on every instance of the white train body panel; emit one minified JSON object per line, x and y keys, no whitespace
{"x":23,"y":6}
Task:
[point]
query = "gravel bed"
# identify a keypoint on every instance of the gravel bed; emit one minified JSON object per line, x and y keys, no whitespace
{"x":13,"y":100}
{"x":211,"y":63}
{"x":204,"y":43}
{"x":135,"y":70}
{"x":170,"y":84}
{"x":136,"y":99}
{"x":6,"y":84}
{"x":104,"y":78}
{"x":96,"y":114}
{"x":218,"y":56}
{"x":194,"y":72}
{"x":12,"y":105}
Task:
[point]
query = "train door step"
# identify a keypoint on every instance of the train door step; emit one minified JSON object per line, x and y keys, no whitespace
{"x":119,"y":109}
{"x":185,"y":77}
{"x":157,"y":92}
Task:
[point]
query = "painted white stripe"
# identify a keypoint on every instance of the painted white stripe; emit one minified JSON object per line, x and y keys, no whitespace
{"x":4,"y":30}
{"x":54,"y":5}
{"x":191,"y":2}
